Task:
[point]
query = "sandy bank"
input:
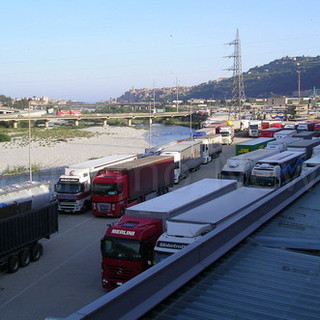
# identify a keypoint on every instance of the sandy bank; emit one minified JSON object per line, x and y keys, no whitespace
{"x":107,"y":141}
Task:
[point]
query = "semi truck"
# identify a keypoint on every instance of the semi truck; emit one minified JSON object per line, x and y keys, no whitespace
{"x":128,"y":183}
{"x":281,"y":144}
{"x":194,"y":223}
{"x":127,"y":246}
{"x":187,"y":157}
{"x":254,"y":128}
{"x":227,"y":133}
{"x":305,"y":146}
{"x":28,"y":214}
{"x":73,"y":189}
{"x":239,"y":167}
{"x":277,"y":170}
{"x":211,"y":146}
{"x":251,"y":145}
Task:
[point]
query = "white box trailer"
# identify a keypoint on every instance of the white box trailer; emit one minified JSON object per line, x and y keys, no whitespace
{"x":284,"y":134}
{"x":192,"y":224}
{"x":211,"y":146}
{"x":187,"y":157}
{"x":239,"y":167}
{"x":182,"y":199}
{"x":281,"y":144}
{"x":74,"y":187}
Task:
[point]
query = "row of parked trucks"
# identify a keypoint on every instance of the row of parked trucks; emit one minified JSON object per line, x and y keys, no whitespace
{"x":151,"y":231}
{"x":258,"y":128}
{"x":114,"y":183}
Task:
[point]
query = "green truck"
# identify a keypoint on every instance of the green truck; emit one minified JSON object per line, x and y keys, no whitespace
{"x":251,"y":145}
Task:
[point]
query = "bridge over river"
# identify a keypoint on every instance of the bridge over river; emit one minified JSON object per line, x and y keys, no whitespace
{"x":16,"y":118}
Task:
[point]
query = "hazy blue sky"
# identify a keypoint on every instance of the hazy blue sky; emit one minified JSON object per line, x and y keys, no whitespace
{"x":90,"y":50}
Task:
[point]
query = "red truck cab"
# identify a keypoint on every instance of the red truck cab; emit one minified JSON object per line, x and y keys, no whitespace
{"x":127,"y":249}
{"x":114,"y":186}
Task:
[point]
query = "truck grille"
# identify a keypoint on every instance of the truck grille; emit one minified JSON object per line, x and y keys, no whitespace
{"x":121,"y":273}
{"x":104,"y":207}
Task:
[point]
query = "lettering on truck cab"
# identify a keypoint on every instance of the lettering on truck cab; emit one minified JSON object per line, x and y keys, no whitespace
{"x":123,"y":232}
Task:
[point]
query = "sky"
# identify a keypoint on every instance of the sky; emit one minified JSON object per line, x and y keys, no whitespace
{"x":97,"y":49}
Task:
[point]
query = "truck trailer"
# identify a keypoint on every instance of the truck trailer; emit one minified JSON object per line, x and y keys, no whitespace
{"x":127,"y":246}
{"x":193,"y":223}
{"x":128,"y":183}
{"x":211,"y":146}
{"x":251,"y":145}
{"x":285,"y":133}
{"x":239,"y":167}
{"x":281,"y":144}
{"x":74,"y":187}
{"x":270,"y":132}
{"x":28,"y":214}
{"x":305,"y":146}
{"x":187,"y":157}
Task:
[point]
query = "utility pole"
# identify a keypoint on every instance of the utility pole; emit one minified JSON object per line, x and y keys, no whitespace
{"x":238,"y":95}
{"x":177,"y":89}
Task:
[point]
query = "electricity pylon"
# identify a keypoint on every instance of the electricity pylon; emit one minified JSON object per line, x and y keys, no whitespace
{"x":238,"y":95}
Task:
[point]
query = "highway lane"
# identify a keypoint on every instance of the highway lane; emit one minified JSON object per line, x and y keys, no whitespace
{"x":67,"y":277}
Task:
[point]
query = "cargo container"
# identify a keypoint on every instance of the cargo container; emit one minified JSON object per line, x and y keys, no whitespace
{"x":251,"y":145}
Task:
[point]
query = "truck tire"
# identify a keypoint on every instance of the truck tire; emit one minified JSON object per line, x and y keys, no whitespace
{"x":36,"y":252}
{"x":13,"y":264}
{"x":24,"y":258}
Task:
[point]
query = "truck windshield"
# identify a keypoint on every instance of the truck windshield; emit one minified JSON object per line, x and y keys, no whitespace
{"x":159,"y":256}
{"x":65,"y":187}
{"x":123,"y":249}
{"x":106,"y":189}
{"x":264,"y":181}
{"x":232,"y":175}
{"x":225,"y":134}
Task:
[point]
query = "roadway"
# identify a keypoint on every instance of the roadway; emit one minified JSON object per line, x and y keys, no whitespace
{"x":67,"y":277}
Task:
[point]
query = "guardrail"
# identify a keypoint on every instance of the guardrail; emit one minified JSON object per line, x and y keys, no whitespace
{"x":142,"y":293}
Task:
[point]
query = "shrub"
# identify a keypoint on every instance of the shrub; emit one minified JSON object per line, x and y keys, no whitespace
{"x":4,"y":137}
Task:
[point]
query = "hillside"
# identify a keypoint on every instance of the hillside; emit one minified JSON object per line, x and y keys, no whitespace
{"x":278,"y":77}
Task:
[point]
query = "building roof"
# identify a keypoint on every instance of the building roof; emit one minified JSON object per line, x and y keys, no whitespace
{"x":259,"y":279}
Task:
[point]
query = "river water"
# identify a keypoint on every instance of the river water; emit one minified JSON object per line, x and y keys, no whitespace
{"x":160,"y":134}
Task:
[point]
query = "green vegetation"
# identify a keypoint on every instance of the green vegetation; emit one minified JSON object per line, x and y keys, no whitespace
{"x":20,"y":169}
{"x":4,"y":137}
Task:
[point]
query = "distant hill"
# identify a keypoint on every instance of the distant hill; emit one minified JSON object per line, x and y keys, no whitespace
{"x":279,"y":77}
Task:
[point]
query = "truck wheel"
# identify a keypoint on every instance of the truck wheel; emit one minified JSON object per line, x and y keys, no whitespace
{"x":24,"y":258}
{"x":36,"y":252}
{"x":13,"y":264}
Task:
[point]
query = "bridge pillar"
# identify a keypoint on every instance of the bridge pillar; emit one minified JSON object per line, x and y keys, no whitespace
{"x":150,"y":121}
{"x":76,"y":123}
{"x":15,"y":124}
{"x":46,"y":124}
{"x":129,"y":122}
{"x":105,"y":122}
